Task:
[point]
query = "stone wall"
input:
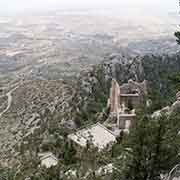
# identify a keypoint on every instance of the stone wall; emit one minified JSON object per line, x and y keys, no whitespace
{"x":126,"y":121}
{"x":114,"y":101}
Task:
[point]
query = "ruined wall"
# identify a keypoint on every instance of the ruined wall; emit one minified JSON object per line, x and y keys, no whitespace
{"x":124,"y":100}
{"x":131,"y":102}
{"x":114,"y":101}
{"x":125,"y":120}
{"x":133,"y":93}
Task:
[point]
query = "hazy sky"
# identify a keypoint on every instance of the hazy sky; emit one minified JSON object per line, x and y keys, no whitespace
{"x":25,"y":5}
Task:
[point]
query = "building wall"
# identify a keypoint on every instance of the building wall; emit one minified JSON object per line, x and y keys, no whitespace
{"x":123,"y":121}
{"x":114,"y":97}
{"x":134,"y":101}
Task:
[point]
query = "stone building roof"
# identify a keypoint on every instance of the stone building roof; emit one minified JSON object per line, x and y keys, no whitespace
{"x":97,"y":134}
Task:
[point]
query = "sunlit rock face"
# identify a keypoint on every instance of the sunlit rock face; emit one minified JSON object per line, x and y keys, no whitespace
{"x":169,"y":110}
{"x":178,"y":96}
{"x":176,"y":105}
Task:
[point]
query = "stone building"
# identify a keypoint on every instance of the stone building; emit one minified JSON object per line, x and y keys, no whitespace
{"x":124,"y":100}
{"x":97,"y":134}
{"x":122,"y":103}
{"x":133,"y":93}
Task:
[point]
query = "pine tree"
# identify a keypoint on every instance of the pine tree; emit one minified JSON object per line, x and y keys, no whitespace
{"x":69,"y":153}
{"x":151,"y":149}
{"x":177,"y":34}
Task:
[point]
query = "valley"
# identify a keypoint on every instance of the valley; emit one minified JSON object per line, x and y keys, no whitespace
{"x":56,"y":76}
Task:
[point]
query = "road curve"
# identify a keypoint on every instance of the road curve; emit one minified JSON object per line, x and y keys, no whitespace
{"x":9,"y":101}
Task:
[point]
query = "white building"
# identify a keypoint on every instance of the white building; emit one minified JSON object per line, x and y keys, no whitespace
{"x":97,"y":134}
{"x":48,"y":159}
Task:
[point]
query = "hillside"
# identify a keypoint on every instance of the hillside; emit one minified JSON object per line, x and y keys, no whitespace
{"x":55,"y":79}
{"x":42,"y":111}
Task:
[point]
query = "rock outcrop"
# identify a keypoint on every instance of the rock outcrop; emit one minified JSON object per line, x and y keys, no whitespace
{"x":176,"y":104}
{"x":169,"y":109}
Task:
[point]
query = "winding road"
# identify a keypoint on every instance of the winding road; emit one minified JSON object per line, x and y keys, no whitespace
{"x":9,"y":101}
